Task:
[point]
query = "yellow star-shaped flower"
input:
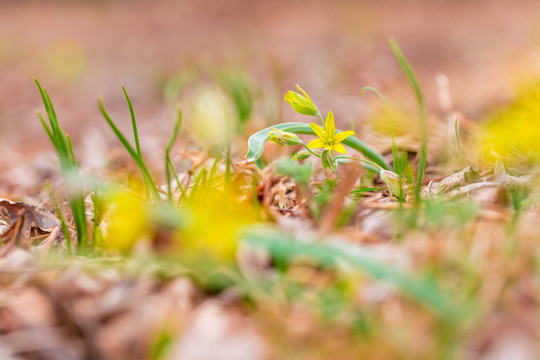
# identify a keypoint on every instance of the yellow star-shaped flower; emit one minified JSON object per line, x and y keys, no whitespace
{"x":328,"y":138}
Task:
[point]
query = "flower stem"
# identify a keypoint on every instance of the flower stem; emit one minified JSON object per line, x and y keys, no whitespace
{"x":359,"y":159}
{"x":321,"y":118}
{"x":311,"y":151}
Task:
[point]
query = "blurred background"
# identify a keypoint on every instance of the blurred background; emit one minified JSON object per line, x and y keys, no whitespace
{"x":80,"y":50}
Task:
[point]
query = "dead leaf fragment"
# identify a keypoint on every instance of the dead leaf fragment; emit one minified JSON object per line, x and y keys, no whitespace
{"x":19,"y":220}
{"x":466,"y":176}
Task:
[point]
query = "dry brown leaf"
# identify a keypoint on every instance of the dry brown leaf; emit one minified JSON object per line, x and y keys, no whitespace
{"x":461,"y":178}
{"x":22,"y":221}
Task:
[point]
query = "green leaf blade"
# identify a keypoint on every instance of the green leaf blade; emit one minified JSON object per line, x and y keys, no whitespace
{"x":257,"y":141}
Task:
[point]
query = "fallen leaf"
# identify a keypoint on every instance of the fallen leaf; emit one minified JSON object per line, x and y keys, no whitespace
{"x":21,"y":223}
{"x":461,"y":178}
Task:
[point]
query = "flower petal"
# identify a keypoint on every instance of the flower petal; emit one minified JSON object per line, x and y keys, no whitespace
{"x":343,"y":135}
{"x":318,"y":130}
{"x":317,"y":143}
{"x":329,"y":124}
{"x":340,"y":148}
{"x":302,"y":90}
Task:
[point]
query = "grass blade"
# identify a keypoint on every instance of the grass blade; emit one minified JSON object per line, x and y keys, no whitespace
{"x":133,"y":123}
{"x":69,"y":166}
{"x":168,"y":163}
{"x":147,"y":177}
{"x":406,"y":67}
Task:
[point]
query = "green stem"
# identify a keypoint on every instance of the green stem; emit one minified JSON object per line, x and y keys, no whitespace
{"x":321,"y":118}
{"x":361,"y":160}
{"x":311,"y":151}
{"x":256,"y":143}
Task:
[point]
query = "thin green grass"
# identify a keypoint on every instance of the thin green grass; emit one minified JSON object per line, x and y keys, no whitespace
{"x":169,"y":167}
{"x":147,"y":177}
{"x":422,"y":159}
{"x":135,"y":131}
{"x":69,"y":166}
{"x":133,"y":122}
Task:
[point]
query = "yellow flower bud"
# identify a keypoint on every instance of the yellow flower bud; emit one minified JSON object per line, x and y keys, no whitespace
{"x":392,"y":181}
{"x":328,"y":161}
{"x":301,"y":104}
{"x":283,"y":138}
{"x":302,"y":155}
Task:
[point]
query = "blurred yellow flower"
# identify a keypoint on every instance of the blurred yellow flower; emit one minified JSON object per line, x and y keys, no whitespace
{"x":126,"y":220}
{"x":328,"y":138}
{"x":201,"y":233}
{"x":213,"y":230}
{"x":512,"y":132}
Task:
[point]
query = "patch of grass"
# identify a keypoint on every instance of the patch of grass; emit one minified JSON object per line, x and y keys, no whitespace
{"x":70,"y":169}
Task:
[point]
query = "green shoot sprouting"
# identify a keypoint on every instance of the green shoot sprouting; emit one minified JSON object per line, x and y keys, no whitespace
{"x":406,"y":67}
{"x":133,"y":122}
{"x":168,"y":163}
{"x":69,"y":166}
{"x":135,"y":131}
{"x":147,"y":177}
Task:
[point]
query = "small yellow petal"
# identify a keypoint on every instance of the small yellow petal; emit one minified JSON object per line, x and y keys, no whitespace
{"x":340,"y":148}
{"x":317,"y":143}
{"x":302,"y":90}
{"x":329,"y":124}
{"x":343,"y":135}
{"x":318,"y":130}
{"x":289,"y":96}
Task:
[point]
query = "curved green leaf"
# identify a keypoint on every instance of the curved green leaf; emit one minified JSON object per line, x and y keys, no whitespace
{"x":256,"y":143}
{"x":418,"y":287}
